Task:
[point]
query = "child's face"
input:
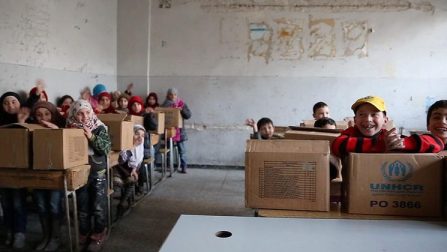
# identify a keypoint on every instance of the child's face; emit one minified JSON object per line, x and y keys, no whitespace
{"x":369,"y":120}
{"x":43,"y":114}
{"x":437,"y":123}
{"x":11,"y":105}
{"x":321,"y":112}
{"x":83,"y":115}
{"x":267,"y":131}
{"x":151,"y":100}
{"x":104,"y":101}
{"x":172,"y":97}
{"x":123,"y":102}
{"x":136,"y":107}
{"x":138,"y":138}
{"x":328,"y":126}
{"x":67,"y":102}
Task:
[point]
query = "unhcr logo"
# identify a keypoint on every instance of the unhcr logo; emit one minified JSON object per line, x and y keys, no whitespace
{"x":397,"y":171}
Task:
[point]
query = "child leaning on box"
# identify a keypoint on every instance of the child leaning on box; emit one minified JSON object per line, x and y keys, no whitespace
{"x":92,"y":198}
{"x":263,"y":129}
{"x":437,"y":120}
{"x":368,"y":135}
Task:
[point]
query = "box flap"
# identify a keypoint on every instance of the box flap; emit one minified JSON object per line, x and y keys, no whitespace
{"x":29,"y":126}
{"x":161,"y":109}
{"x":288,"y":146}
{"x":112,"y":117}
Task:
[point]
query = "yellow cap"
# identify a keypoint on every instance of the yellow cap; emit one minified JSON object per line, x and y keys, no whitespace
{"x":376,"y":101}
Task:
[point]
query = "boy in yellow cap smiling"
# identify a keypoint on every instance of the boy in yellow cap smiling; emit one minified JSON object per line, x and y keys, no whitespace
{"x":369,"y":136}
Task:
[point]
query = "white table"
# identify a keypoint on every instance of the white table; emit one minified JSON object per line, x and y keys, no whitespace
{"x":254,"y":234}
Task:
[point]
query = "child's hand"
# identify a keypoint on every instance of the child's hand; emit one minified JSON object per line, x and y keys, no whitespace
{"x":49,"y":125}
{"x":40,"y":85}
{"x":23,"y":114}
{"x":250,"y":122}
{"x":149,"y":110}
{"x":129,"y":87}
{"x":393,"y":141}
{"x":87,"y":132}
{"x":134,"y":174}
{"x":86,"y":94}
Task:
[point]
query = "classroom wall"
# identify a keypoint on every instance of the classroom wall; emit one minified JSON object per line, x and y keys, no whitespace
{"x":133,"y":45}
{"x":69,"y":44}
{"x":236,"y":59}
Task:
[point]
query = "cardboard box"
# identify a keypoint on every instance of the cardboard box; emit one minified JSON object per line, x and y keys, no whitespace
{"x":310,"y":135}
{"x":55,"y":149}
{"x":285,"y":174}
{"x":50,"y":180}
{"x":160,"y":118}
{"x":394,"y":184}
{"x":15,"y":145}
{"x":135,"y":119}
{"x":120,"y":131}
{"x":173,"y":117}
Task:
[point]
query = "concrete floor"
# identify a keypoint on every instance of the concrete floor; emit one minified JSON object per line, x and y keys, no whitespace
{"x":201,"y":191}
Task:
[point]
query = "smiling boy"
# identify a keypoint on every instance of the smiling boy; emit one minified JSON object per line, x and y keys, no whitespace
{"x":369,"y":136}
{"x":437,"y":120}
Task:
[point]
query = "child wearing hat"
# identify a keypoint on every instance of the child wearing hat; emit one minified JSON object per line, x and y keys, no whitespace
{"x":92,"y":198}
{"x":369,"y":136}
{"x":437,"y":120}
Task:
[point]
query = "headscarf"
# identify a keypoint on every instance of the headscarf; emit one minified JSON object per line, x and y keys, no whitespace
{"x":135,"y":99}
{"x":72,"y":121}
{"x":152,"y":94}
{"x":177,"y":103}
{"x":110,"y":108}
{"x":33,"y":91}
{"x":137,"y":151}
{"x":5,"y":117}
{"x":56,"y":117}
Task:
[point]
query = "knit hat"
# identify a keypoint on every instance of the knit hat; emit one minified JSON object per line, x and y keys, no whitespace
{"x":106,"y":94}
{"x":376,"y":101}
{"x":172,"y":91}
{"x":132,"y":100}
{"x":98,"y":89}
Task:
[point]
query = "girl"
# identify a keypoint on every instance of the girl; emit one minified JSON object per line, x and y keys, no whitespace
{"x":136,"y":106}
{"x":48,"y":201}
{"x":63,"y":104}
{"x":127,"y":172}
{"x":123,"y":102}
{"x":105,"y":100}
{"x":173,"y":101}
{"x":15,"y":214}
{"x":92,"y":198}
{"x":151,"y":102}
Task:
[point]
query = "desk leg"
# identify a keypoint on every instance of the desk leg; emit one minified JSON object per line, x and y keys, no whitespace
{"x":171,"y":157}
{"x":67,"y":212}
{"x":76,"y":222}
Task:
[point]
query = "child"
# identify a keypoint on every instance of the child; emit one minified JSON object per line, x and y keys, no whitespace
{"x":151,"y":102}
{"x":127,"y":171}
{"x":174,"y":102}
{"x":105,"y":102}
{"x":263,"y":129}
{"x":325,"y":123}
{"x":86,"y":94}
{"x":92,"y":198}
{"x":48,"y":201}
{"x":63,"y":104}
{"x":320,"y":110}
{"x":136,"y":106}
{"x":123,"y":102}
{"x":369,"y":136}
{"x":437,"y":120}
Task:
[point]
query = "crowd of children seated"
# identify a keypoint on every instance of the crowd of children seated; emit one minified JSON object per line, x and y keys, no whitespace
{"x":92,"y":202}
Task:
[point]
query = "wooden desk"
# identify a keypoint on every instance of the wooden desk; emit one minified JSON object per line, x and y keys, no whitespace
{"x":68,"y":180}
{"x":200,"y":233}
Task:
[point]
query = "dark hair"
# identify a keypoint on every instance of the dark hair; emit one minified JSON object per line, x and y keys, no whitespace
{"x":62,"y":99}
{"x":320,"y":123}
{"x":436,"y":105}
{"x":263,"y":121}
{"x":319,"y":105}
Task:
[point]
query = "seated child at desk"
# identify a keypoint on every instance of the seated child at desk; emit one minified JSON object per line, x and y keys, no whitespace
{"x":335,"y":162}
{"x":437,"y":120}
{"x":369,"y":136}
{"x":320,"y":110}
{"x":127,"y":171}
{"x":325,"y":123}
{"x":263,"y":129}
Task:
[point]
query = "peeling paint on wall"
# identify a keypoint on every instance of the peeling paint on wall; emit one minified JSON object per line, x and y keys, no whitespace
{"x":260,"y":45}
{"x":288,"y":41}
{"x":322,"y":38}
{"x":355,"y":38}
{"x":316,"y":5}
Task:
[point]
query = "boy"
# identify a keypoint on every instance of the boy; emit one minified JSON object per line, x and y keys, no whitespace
{"x":320,"y":110}
{"x":368,"y":135}
{"x":437,"y":120}
{"x":265,"y":126}
{"x":325,"y":123}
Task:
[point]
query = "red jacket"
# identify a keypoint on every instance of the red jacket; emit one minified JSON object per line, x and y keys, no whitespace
{"x":352,"y":140}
